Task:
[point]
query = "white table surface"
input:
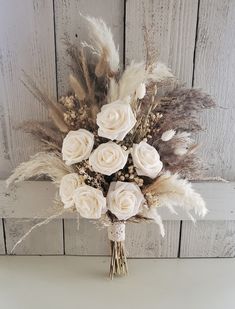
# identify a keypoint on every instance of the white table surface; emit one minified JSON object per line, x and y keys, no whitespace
{"x":81,"y":282}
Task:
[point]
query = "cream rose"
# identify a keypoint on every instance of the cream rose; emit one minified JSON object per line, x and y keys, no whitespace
{"x":90,"y":202}
{"x":77,"y":146}
{"x":115,"y":120}
{"x":124,"y":199}
{"x":146,"y":160}
{"x":69,"y":183}
{"x":108,"y":158}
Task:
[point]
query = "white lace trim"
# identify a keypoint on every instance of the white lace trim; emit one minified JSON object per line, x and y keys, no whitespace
{"x":116,"y":231}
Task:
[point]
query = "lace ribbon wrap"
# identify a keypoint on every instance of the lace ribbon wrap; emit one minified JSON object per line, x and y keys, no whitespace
{"x":116,"y":231}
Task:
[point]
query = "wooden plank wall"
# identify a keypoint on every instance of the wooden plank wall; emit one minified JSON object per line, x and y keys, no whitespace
{"x":195,"y":38}
{"x":26,"y":43}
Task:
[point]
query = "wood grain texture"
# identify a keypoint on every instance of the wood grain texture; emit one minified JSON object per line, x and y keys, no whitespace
{"x":214,"y":72}
{"x":45,"y":240}
{"x":26,"y":43}
{"x":208,"y":239}
{"x":69,"y":24}
{"x":142,"y":240}
{"x":2,"y":244}
{"x":32,"y":199}
{"x":174,"y":24}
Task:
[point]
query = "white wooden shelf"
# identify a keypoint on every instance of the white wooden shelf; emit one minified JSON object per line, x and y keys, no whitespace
{"x":82,"y":282}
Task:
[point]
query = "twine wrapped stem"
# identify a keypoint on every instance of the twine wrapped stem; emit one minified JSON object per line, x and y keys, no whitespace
{"x":118,"y":263}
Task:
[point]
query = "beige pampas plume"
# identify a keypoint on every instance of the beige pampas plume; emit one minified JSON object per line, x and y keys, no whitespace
{"x":171,"y":191}
{"x":160,"y":72}
{"x":43,"y":131}
{"x":103,"y":43}
{"x":152,"y":213}
{"x":113,"y":90}
{"x":54,"y":109}
{"x":77,"y":88}
{"x":133,"y":76}
{"x":43,"y":163}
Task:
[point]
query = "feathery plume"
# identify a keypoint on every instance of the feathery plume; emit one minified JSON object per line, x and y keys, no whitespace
{"x":77,"y":88}
{"x":132,"y":77}
{"x":103,"y":42}
{"x":160,"y":72}
{"x":54,"y":109}
{"x":170,"y":190}
{"x":43,"y":163}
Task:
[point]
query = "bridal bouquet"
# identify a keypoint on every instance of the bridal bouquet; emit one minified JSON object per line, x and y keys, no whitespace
{"x":119,"y":144}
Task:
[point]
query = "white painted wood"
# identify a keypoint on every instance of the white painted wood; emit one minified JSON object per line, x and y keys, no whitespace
{"x":35,"y":199}
{"x":69,"y":23}
{"x":214,"y":72}
{"x":142,"y":240}
{"x":82,"y":282}
{"x":2,"y":245}
{"x":208,"y":239}
{"x":26,"y":43}
{"x":174,"y":24}
{"x":45,"y":240}
{"x":88,"y":240}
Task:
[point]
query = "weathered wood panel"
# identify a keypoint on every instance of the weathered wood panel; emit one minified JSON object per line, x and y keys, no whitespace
{"x":2,"y":244}
{"x":208,"y":239}
{"x":214,"y":72}
{"x":174,"y":24}
{"x":45,"y":240}
{"x":69,"y":24}
{"x":26,"y":43}
{"x":142,"y":240}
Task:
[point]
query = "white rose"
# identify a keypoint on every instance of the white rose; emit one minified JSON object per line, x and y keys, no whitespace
{"x":108,"y":158}
{"x":124,"y":199}
{"x":115,"y":120}
{"x":146,"y":160}
{"x":90,"y":202}
{"x":69,"y":183}
{"x":77,"y":146}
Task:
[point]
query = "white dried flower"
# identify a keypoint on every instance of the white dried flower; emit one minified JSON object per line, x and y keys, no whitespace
{"x":90,"y":202}
{"x":115,"y":120}
{"x":77,"y":146}
{"x":108,"y":158}
{"x":167,"y":135}
{"x":69,"y":183}
{"x":146,"y":160}
{"x":181,"y":151}
{"x":141,"y":91}
{"x":124,"y":199}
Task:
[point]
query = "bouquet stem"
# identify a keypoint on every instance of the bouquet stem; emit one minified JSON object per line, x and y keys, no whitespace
{"x":118,"y":263}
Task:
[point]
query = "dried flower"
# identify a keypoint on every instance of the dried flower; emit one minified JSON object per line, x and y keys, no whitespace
{"x":69,"y":183}
{"x":146,"y":160}
{"x":167,"y":135}
{"x":77,"y":146}
{"x":141,"y":91}
{"x":124,"y":199}
{"x":90,"y":202}
{"x":115,"y":120}
{"x":108,"y":158}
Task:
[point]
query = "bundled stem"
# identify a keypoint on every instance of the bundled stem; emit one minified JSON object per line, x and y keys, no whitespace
{"x":118,"y":263}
